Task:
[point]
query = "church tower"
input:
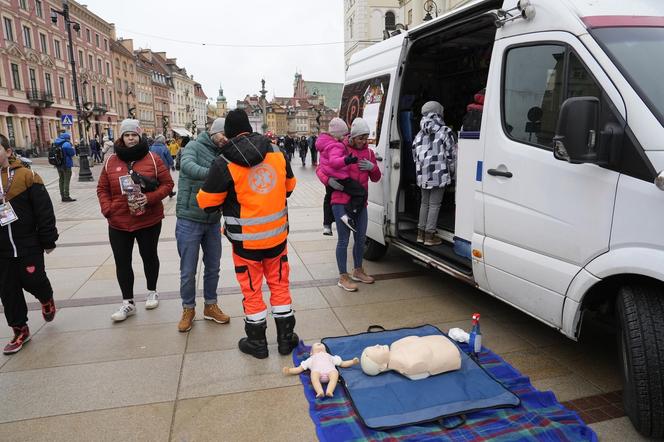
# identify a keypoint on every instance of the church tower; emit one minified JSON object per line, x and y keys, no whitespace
{"x":222,"y":108}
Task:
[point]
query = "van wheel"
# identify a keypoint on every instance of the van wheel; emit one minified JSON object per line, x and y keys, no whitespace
{"x":373,"y":250}
{"x":640,"y":311}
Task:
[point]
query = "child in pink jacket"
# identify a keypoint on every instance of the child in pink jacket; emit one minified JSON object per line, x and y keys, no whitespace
{"x":334,"y":172}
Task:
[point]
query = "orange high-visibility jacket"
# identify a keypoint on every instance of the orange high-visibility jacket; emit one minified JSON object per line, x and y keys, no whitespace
{"x":250,"y":181}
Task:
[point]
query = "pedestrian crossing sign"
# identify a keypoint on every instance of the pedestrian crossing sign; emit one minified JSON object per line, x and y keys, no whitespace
{"x":67,"y":120}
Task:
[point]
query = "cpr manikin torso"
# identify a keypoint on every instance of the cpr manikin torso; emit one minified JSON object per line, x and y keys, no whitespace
{"x":416,"y":357}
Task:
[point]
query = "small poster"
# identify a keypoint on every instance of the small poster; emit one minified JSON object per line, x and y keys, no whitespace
{"x":7,"y":214}
{"x":366,"y":99}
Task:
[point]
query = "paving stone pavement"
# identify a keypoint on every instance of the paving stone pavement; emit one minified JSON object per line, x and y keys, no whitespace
{"x":85,"y":378}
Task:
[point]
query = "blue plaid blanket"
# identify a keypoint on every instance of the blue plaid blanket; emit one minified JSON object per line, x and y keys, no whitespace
{"x":540,"y":417}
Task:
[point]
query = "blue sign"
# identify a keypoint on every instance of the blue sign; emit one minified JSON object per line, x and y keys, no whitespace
{"x":67,"y":120}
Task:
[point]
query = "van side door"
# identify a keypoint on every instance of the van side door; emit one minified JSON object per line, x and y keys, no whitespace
{"x":545,"y":219}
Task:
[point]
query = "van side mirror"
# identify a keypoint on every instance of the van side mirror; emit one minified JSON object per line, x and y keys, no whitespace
{"x":577,"y":131}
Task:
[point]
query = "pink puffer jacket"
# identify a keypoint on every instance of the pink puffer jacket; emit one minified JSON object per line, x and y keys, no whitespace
{"x":324,"y":145}
{"x":336,"y":160}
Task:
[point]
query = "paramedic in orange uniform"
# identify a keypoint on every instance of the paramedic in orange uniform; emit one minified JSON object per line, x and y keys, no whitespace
{"x":250,"y":182}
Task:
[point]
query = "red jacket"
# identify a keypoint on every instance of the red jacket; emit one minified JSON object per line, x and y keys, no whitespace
{"x":114,"y":204}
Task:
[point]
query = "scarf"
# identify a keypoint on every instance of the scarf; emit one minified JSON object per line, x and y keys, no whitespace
{"x":129,"y":154}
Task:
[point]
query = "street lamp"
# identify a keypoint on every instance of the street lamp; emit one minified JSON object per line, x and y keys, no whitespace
{"x":428,"y":6}
{"x":85,"y":174}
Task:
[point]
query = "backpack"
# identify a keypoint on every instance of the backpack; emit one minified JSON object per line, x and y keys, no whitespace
{"x":55,"y":155}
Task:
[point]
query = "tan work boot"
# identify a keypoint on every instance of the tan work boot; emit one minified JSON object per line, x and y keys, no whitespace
{"x":346,"y":283}
{"x":360,"y":276}
{"x":420,"y":235}
{"x":187,"y":320}
{"x":212,"y":312}
{"x":431,"y":239}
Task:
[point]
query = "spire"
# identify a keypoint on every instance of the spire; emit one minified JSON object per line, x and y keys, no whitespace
{"x":221,"y":94}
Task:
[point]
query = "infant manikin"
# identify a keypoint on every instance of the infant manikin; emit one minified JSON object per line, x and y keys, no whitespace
{"x":416,"y":357}
{"x":323,"y":367}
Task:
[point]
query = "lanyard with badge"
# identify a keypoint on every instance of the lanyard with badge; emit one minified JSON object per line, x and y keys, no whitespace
{"x":7,"y":214}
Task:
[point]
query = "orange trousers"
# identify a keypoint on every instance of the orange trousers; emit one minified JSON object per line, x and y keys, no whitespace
{"x":250,"y":275}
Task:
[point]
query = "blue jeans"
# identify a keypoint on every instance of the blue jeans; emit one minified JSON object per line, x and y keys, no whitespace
{"x":344,"y":236}
{"x":191,"y":236}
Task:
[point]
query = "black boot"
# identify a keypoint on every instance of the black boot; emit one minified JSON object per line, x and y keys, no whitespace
{"x":255,"y":343}
{"x":287,"y":340}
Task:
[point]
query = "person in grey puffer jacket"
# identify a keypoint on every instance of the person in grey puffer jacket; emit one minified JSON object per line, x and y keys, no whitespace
{"x":434,"y":153}
{"x":196,"y":229}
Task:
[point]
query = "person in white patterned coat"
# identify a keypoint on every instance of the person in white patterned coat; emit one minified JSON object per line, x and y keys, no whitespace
{"x":434,"y":153}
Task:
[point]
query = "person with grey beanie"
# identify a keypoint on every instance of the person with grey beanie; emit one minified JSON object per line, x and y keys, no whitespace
{"x":197,"y":230}
{"x":434,"y":154}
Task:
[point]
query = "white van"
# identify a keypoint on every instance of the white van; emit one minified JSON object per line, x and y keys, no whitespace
{"x":556,"y":232}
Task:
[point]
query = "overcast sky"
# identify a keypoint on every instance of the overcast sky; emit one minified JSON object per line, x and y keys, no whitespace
{"x":233,"y":22}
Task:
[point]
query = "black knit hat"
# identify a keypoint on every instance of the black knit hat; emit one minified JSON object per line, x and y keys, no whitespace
{"x":236,"y":123}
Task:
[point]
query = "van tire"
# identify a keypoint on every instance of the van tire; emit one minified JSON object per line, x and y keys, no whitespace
{"x":640,"y":312}
{"x":373,"y":250}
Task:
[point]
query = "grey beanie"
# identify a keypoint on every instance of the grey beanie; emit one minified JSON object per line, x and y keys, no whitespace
{"x":217,"y":126}
{"x":130,"y":125}
{"x":160,"y":139}
{"x":358,"y":128}
{"x":433,"y":107}
{"x":338,"y":127}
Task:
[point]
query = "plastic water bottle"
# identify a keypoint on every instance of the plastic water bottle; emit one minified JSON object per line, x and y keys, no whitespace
{"x":475,"y":340}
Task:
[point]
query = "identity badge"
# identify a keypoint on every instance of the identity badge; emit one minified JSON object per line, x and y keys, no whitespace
{"x":126,"y":183}
{"x":7,"y":214}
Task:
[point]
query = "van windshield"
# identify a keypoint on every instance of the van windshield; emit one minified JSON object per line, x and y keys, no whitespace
{"x":637,"y":52}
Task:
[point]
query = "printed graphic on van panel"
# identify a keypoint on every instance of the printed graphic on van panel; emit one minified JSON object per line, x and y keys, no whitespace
{"x":366,"y":99}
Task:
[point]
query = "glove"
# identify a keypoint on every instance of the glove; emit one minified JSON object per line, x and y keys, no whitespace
{"x":365,"y":164}
{"x":336,"y":185}
{"x":350,"y":159}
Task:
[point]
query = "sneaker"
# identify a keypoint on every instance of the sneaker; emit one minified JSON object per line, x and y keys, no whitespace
{"x":431,"y":239}
{"x":212,"y":312}
{"x":21,"y":336}
{"x":48,"y":310}
{"x":68,"y":199}
{"x":152,"y":301}
{"x":348,"y":221}
{"x":327,"y":230}
{"x":346,"y":283}
{"x":125,"y":310}
{"x":359,"y":276}
{"x":420,"y":235}
{"x":187,"y":320}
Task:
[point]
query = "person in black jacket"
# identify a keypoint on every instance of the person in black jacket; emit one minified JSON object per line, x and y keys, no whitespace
{"x":27,"y":230}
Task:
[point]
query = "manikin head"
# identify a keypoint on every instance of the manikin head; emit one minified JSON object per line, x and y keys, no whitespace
{"x":375,"y":359}
{"x":317,"y":347}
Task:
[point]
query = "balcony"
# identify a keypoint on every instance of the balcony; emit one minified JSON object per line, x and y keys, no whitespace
{"x":99,"y":108}
{"x":39,"y":98}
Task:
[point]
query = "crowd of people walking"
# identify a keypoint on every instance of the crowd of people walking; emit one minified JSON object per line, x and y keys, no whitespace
{"x":228,"y":169}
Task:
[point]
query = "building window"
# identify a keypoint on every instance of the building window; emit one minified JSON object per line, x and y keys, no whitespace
{"x":110,"y":98}
{"x":390,"y":21}
{"x":124,"y":66}
{"x":99,"y":66}
{"x":38,"y":9}
{"x":97,"y":40}
{"x":63,"y":92}
{"x":33,"y":79}
{"x":80,"y":59}
{"x":58,"y":54}
{"x":52,"y":14}
{"x":108,"y":69}
{"x":105,"y":45}
{"x":49,"y":86}
{"x":27,"y":37}
{"x":131,"y":68}
{"x":69,"y":54}
{"x":94,"y":94}
{"x":16,"y":78}
{"x":23,"y":4}
{"x":87,"y":36}
{"x":9,"y":29}
{"x":43,"y":43}
{"x":103,"y":96}
{"x":90,"y":62}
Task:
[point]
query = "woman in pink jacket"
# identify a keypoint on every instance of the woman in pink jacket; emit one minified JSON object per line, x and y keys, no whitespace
{"x":360,"y":165}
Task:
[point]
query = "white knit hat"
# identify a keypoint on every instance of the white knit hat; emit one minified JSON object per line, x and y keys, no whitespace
{"x":338,"y":127}
{"x":130,"y":125}
{"x":358,"y":128}
{"x":433,"y":106}
{"x":217,"y":126}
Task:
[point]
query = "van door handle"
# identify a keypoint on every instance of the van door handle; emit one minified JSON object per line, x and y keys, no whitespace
{"x":503,"y":173}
